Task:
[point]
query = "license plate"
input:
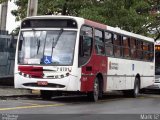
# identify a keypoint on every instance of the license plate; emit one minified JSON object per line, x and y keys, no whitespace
{"x":42,"y":83}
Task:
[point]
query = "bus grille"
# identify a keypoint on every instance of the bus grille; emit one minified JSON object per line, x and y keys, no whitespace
{"x":49,"y":85}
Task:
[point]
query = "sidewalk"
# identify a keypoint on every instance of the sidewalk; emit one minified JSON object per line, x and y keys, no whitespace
{"x":10,"y":91}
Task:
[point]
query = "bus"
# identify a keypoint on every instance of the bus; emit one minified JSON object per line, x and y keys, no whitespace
{"x":157,"y":65}
{"x":66,"y":54}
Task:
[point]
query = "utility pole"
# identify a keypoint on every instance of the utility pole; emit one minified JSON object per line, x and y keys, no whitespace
{"x":3,"y":15}
{"x":32,"y":8}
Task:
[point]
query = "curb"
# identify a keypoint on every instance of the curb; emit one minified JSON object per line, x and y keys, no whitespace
{"x":11,"y":92}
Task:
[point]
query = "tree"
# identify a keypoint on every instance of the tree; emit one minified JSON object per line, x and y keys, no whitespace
{"x":131,"y":15}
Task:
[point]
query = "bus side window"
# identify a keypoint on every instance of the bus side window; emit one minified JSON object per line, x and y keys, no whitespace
{"x":126,"y":47}
{"x":145,"y":51}
{"x":99,"y":42}
{"x":108,"y":43}
{"x":117,"y":45}
{"x":133,"y":48}
{"x":85,"y":44}
{"x":151,"y":52}
{"x":139,"y":49}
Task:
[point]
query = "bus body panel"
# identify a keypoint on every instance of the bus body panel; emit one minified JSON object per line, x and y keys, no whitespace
{"x":122,"y":73}
{"x":96,"y":65}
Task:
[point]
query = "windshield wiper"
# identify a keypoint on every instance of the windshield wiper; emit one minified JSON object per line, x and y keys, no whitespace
{"x":54,"y":43}
{"x":56,"y":40}
{"x":38,"y":45}
{"x":38,"y":41}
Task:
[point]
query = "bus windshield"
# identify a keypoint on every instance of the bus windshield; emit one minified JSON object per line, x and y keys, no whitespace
{"x":157,"y":62}
{"x":53,"y":47}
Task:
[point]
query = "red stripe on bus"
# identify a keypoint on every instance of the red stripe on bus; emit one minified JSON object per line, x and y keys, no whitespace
{"x":29,"y":68}
{"x":32,"y":71}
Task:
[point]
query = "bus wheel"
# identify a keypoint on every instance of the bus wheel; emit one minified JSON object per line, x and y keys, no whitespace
{"x":46,"y":95}
{"x":135,"y":91}
{"x":93,"y":96}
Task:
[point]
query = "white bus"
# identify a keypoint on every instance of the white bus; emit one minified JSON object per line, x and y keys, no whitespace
{"x":57,"y":54}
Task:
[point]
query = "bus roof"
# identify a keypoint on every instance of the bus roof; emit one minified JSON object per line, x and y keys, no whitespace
{"x":95,"y":24}
{"x":126,"y":33}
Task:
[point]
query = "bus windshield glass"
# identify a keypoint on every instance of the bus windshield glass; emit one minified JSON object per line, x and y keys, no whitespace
{"x":53,"y":47}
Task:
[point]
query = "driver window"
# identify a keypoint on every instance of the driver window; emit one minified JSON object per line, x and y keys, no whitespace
{"x":87,"y":41}
{"x":85,"y":44}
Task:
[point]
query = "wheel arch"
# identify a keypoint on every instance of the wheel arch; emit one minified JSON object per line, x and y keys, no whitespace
{"x":100,"y":80}
{"x":139,"y":79}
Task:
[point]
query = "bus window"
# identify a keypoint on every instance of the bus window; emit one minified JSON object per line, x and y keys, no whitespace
{"x":151,"y":51}
{"x":126,"y":49}
{"x":99,"y":42}
{"x":36,"y":46}
{"x":108,"y":43}
{"x":85,"y":44}
{"x":145,"y":51}
{"x":117,"y":47}
{"x":133,"y":48}
{"x":139,"y":49}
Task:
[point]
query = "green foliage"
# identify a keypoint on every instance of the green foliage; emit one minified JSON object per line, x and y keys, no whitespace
{"x":21,"y":12}
{"x":130,"y":15}
{"x":1,"y":1}
{"x":15,"y":31}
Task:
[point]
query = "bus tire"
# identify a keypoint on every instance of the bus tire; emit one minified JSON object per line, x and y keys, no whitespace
{"x":93,"y":96}
{"x":136,"y":89}
{"x":46,"y":95}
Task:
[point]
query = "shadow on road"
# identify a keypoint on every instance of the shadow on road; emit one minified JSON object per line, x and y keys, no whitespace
{"x":151,"y":91}
{"x":107,"y":97}
{"x":76,"y":99}
{"x":84,"y":99}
